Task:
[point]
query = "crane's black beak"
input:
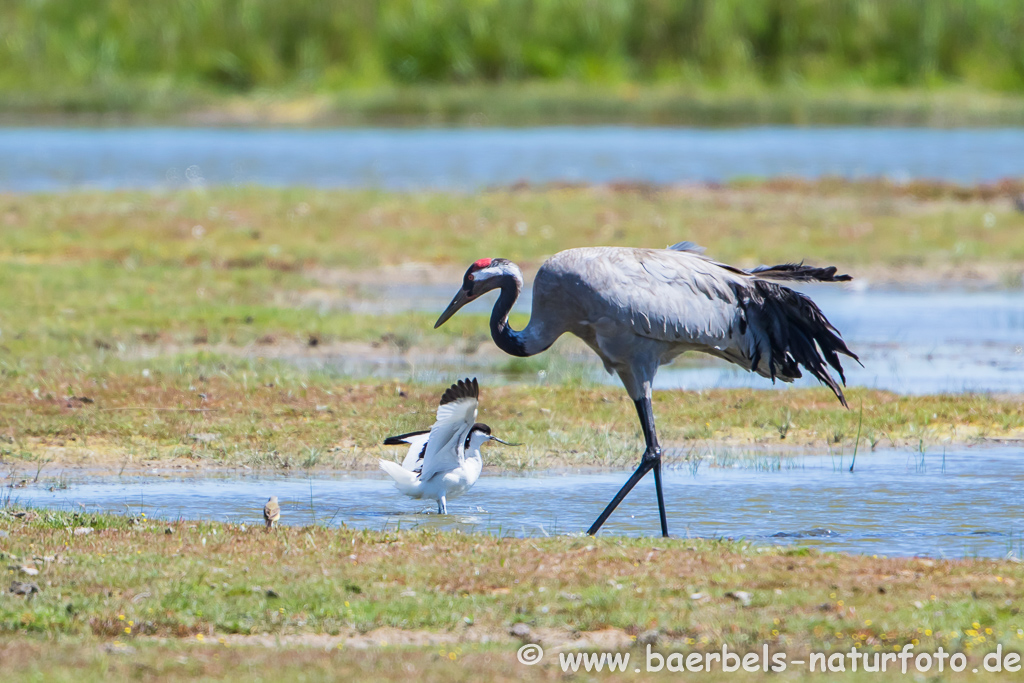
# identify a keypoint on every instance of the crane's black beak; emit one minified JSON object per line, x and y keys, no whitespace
{"x":460,"y":300}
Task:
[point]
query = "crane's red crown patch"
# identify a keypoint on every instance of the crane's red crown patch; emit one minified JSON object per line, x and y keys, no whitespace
{"x":483,"y":263}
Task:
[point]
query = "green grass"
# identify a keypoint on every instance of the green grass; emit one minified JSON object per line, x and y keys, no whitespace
{"x":218,"y":586}
{"x":461,"y":61}
{"x":856,"y":225}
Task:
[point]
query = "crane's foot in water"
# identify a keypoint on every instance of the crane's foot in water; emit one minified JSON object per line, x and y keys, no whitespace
{"x":651,"y":460}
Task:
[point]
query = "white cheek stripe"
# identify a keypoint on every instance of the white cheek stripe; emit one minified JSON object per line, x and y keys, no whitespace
{"x":486,"y":273}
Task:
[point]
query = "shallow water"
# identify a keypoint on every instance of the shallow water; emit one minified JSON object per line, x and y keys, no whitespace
{"x":35,"y":159}
{"x":909,"y":342}
{"x":959,"y":503}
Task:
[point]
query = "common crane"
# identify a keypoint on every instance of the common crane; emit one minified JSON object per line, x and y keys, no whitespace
{"x":640,"y":308}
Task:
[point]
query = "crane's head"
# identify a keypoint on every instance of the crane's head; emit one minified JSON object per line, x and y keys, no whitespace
{"x":483,"y":276}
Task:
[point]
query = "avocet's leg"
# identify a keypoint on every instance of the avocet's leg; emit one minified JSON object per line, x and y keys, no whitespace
{"x":442,"y":506}
{"x":651,"y":460}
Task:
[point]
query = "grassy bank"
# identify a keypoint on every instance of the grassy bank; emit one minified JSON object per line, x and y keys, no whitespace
{"x":188,"y":599}
{"x":857,"y":225}
{"x":198,"y":414}
{"x":520,"y":104}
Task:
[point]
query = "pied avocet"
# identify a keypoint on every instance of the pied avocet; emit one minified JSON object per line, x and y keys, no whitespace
{"x":444,"y":461}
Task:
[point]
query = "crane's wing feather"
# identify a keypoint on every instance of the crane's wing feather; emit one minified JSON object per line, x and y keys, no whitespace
{"x":683,"y":297}
{"x":455,"y":418}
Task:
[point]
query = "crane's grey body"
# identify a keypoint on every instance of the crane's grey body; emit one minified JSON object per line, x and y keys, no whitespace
{"x":640,"y":308}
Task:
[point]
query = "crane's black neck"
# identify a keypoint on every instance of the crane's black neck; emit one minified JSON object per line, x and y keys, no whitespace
{"x":507,"y":339}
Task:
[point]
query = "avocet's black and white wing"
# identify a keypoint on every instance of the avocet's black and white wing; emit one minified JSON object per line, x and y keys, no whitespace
{"x":455,"y":418}
{"x":417,"y":447}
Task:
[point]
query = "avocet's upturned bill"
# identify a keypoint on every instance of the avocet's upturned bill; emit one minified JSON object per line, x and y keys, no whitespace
{"x":444,"y":461}
{"x":640,"y":308}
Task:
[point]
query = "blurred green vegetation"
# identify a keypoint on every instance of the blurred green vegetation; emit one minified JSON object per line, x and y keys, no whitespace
{"x":125,"y":55}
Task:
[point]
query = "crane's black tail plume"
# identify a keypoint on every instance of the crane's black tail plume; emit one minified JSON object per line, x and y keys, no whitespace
{"x":790,"y":330}
{"x":799,"y":272}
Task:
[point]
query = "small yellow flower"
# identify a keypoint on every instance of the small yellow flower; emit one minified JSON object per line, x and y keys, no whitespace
{"x":840,"y":603}
{"x":832,"y":595}
{"x":131,"y":623}
{"x":988,"y":631}
{"x":915,"y":641}
{"x":927,"y":631}
{"x":775,"y":621}
{"x":121,"y":617}
{"x":199,"y":637}
{"x":452,"y":656}
{"x":976,"y":625}
{"x":775,"y":631}
{"x":127,"y":630}
{"x":867,"y":622}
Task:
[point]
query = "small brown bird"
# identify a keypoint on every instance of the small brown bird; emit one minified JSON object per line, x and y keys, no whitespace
{"x":271,"y":512}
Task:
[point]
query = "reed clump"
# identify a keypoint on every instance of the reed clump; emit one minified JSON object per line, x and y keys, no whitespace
{"x":118,"y":55}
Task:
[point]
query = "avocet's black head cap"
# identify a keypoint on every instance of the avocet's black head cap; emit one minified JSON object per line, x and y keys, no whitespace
{"x":481,"y":427}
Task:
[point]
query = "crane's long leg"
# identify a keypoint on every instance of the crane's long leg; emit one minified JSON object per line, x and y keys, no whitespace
{"x":661,"y":497}
{"x":650,"y":460}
